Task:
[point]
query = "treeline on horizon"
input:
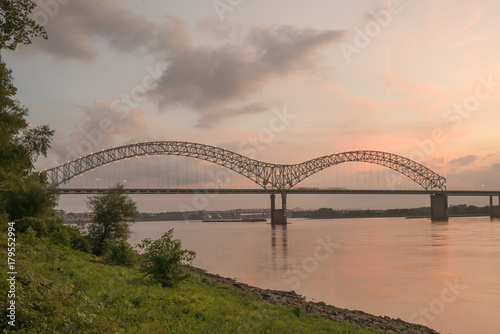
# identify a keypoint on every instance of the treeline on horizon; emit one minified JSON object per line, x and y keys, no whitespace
{"x":454,"y":210}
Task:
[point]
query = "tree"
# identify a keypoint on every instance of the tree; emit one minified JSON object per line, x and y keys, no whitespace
{"x":20,"y":145}
{"x":165,"y":260}
{"x":16,"y":25}
{"x":113,"y":211}
{"x":20,"y":142}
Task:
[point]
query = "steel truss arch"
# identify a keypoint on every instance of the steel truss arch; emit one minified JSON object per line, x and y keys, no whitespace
{"x":418,"y":173}
{"x":267,"y":175}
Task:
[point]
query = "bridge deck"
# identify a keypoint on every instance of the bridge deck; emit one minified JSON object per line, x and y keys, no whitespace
{"x":138,"y":191}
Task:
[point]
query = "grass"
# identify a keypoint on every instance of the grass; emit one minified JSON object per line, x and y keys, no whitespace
{"x":60,"y":290}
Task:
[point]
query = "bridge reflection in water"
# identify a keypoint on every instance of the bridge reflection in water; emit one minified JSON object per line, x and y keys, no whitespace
{"x":271,"y":177}
{"x":279,"y":233}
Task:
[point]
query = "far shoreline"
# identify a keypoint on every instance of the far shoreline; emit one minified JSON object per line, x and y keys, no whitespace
{"x":455,"y":211}
{"x":313,"y":218}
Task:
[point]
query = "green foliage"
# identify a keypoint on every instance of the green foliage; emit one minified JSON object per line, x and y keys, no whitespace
{"x":37,"y":225}
{"x":16,"y":25}
{"x":62,"y":237}
{"x":120,"y":253}
{"x":34,"y":199}
{"x":22,"y":192}
{"x":297,"y":310}
{"x":29,"y":236}
{"x":60,"y":290}
{"x":53,"y":229}
{"x":4,"y":220}
{"x":113,"y":211}
{"x":80,"y":242}
{"x":20,"y":143}
{"x":165,"y":260}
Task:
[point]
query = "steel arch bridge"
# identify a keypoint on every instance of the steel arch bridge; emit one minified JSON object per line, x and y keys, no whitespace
{"x":281,"y":177}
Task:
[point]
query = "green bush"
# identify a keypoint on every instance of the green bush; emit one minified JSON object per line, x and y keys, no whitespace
{"x":54,"y":224}
{"x":120,"y":252}
{"x":164,"y":259}
{"x":38,"y":225}
{"x":80,"y":242}
{"x":62,"y":237}
{"x":4,"y":220}
{"x":296,"y":310}
{"x":54,"y":229}
{"x":29,"y":237}
{"x":77,"y":240}
{"x":69,"y":235}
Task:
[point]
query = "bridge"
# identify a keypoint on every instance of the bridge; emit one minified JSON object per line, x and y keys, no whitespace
{"x":271,"y":178}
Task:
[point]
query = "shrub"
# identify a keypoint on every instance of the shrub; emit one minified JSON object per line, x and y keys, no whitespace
{"x":165,"y":260}
{"x":120,"y":252}
{"x":4,"y":220}
{"x":77,"y":240}
{"x":29,"y":237}
{"x":296,"y":310}
{"x":38,"y":225}
{"x":54,"y":224}
{"x":81,"y":243}
{"x":62,"y":237}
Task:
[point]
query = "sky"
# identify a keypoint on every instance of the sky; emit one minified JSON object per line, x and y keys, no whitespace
{"x":286,"y":80}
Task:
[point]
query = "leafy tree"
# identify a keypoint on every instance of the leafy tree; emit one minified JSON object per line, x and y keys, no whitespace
{"x":113,"y":211}
{"x":20,"y":143}
{"x":165,"y":260}
{"x":16,"y":25}
{"x":22,"y":192}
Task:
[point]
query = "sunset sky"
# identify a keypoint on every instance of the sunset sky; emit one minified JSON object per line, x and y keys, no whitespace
{"x":417,"y":78}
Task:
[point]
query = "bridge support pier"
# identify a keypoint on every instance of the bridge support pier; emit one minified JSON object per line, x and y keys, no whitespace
{"x":494,"y":209}
{"x":439,"y":207}
{"x":278,"y":216}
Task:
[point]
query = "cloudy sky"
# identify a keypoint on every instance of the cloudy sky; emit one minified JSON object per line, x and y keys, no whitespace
{"x":417,"y":78}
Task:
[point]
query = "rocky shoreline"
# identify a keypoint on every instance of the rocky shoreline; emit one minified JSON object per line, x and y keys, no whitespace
{"x":290,"y":298}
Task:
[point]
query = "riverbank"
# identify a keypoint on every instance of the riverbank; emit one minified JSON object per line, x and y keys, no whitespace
{"x":61,"y":290}
{"x":290,"y":298}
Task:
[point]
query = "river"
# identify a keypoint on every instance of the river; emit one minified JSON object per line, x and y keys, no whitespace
{"x":443,"y":275}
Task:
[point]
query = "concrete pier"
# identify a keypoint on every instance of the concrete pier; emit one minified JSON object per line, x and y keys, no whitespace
{"x":278,"y":216}
{"x":439,"y":207}
{"x":494,"y":209}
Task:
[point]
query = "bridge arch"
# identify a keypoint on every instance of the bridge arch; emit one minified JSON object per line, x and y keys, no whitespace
{"x":268,"y":175}
{"x":418,"y":173}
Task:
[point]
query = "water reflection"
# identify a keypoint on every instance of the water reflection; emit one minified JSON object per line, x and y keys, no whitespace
{"x":440,"y":234}
{"x":395,"y":267}
{"x":279,"y":232}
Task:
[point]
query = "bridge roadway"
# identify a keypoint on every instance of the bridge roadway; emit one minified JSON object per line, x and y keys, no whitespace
{"x":157,"y":191}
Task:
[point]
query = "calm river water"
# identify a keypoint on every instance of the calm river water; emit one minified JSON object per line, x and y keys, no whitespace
{"x":445,"y":276}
